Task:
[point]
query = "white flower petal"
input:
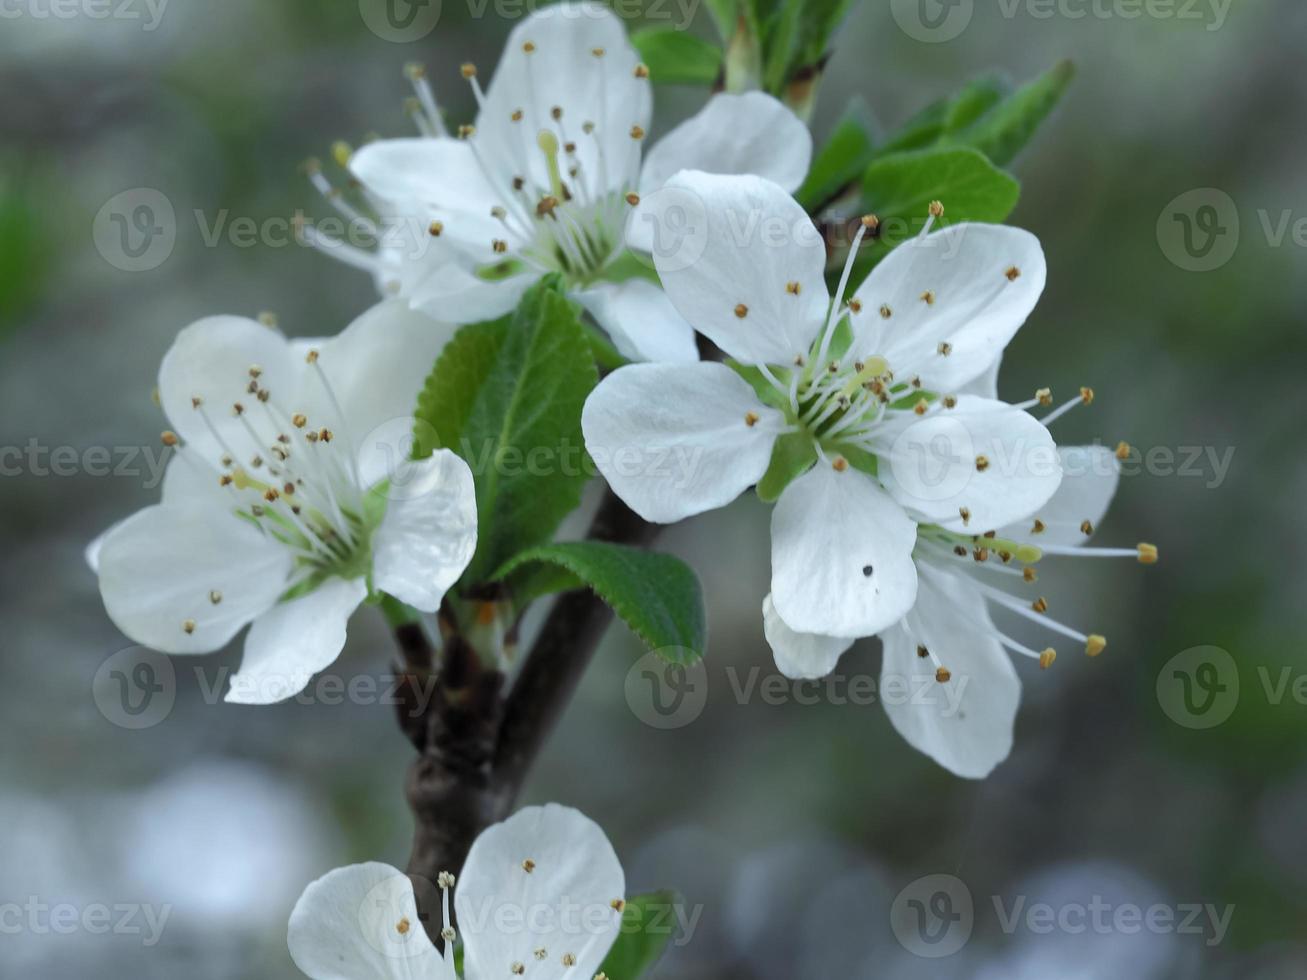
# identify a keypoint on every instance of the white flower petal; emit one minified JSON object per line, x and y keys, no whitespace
{"x":439,"y":173}
{"x":1090,"y":475}
{"x":996,"y":461}
{"x":800,"y":656}
{"x":211,"y":360}
{"x":641,"y":320}
{"x":161,"y":569}
{"x":749,"y":133}
{"x":984,"y":384}
{"x":429,"y":533}
{"x":841,"y":554}
{"x":674,"y":440}
{"x":982,"y":281}
{"x":361,"y":923}
{"x":563,"y":905}
{"x":562,"y":71}
{"x":294,"y":640}
{"x":455,"y":294}
{"x":742,"y":262}
{"x":964,"y":724}
{"x":376,"y":367}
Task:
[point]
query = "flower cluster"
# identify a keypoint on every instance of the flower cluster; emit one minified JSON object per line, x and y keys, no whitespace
{"x":910,"y":500}
{"x":905,"y":485}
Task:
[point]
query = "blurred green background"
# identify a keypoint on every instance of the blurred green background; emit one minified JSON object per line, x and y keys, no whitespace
{"x":790,"y":827}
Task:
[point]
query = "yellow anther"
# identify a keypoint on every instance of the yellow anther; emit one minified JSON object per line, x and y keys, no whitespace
{"x":1148,"y":554}
{"x":840,"y":464}
{"x":982,"y":463}
{"x":1123,"y":451}
{"x":1045,"y":396}
{"x":965,"y":514}
{"x":1095,"y":645}
{"x":632,"y":198}
{"x":641,"y":71}
{"x":1013,"y":274}
{"x":751,"y":419}
{"x":637,"y":132}
{"x":1086,"y":527}
{"x":402,"y":926}
{"x":937,"y":209}
{"x":741,"y":310}
{"x":943,"y":675}
{"x":1087,"y":395}
{"x":1047,"y":657}
{"x":1040,"y":605}
{"x":928,"y":298}
{"x":188,"y":626}
{"x":1039,"y":527}
{"x":168,"y":437}
{"x":886,"y":312}
{"x":468,"y":70}
{"x":1029,"y":574}
{"x":944,"y":348}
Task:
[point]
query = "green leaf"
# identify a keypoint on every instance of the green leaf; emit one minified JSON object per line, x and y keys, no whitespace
{"x":725,"y":14}
{"x":791,"y":457}
{"x":649,"y":924}
{"x":677,"y":57}
{"x":932,"y":124}
{"x":841,"y":159}
{"x":819,"y":21}
{"x":658,"y":596}
{"x":1002,"y":131}
{"x":506,"y":396}
{"x":979,"y":96}
{"x":900,"y":188}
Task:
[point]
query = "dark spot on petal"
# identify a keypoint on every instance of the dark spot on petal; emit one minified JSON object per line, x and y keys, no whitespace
{"x":867,"y":570}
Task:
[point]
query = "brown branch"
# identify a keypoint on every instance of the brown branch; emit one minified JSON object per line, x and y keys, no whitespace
{"x":477,"y":746}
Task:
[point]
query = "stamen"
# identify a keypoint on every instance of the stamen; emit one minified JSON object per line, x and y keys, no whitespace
{"x":868,"y":222}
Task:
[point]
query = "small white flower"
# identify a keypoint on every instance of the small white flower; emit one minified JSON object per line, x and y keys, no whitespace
{"x":289,"y":497}
{"x":948,"y":647}
{"x":548,"y":177}
{"x":907,"y":393}
{"x":541,"y":895}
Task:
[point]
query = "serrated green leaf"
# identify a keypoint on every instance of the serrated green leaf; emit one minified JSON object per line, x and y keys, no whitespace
{"x":506,"y":396}
{"x":900,"y":188}
{"x":659,"y":597}
{"x":649,"y":924}
{"x":677,"y":57}
{"x":1002,"y":131}
{"x":792,"y":456}
{"x":840,"y":161}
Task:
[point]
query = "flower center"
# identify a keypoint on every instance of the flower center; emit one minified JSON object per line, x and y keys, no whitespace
{"x":294,"y":479}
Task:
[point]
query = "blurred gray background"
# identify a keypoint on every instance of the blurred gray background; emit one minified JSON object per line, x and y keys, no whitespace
{"x":791,"y":828}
